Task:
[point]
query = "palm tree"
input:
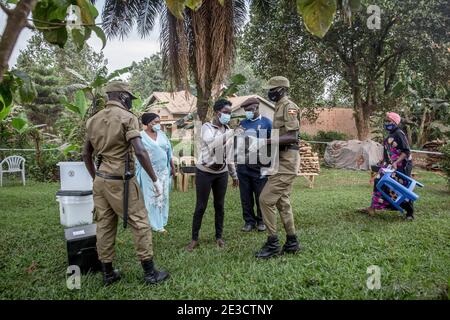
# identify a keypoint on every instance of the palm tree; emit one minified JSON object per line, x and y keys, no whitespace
{"x":199,"y":47}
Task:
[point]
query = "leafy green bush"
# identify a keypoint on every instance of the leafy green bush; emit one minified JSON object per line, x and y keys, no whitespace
{"x":43,"y":170}
{"x":446,"y":161}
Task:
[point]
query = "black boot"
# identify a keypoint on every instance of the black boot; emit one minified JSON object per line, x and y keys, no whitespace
{"x":270,"y":249}
{"x":110,"y":275}
{"x":151,"y":275}
{"x":292,"y":245}
{"x":409,"y":208}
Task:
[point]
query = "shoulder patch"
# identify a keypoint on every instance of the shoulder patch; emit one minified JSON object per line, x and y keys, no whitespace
{"x":292,"y":111}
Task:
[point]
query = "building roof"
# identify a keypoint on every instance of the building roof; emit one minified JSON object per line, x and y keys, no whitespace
{"x":180,"y":102}
{"x":183,"y":102}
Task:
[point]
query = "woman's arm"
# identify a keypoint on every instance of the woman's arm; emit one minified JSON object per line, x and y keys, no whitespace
{"x":402,"y":157}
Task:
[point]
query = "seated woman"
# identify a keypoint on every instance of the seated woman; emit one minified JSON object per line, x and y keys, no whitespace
{"x":397,"y":154}
{"x":160,"y":151}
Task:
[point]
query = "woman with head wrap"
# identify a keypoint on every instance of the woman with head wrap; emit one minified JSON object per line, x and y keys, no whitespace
{"x":397,"y":155}
{"x":160,"y":151}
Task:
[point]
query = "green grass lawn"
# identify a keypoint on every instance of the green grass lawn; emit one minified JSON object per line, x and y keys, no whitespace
{"x":339,"y":244}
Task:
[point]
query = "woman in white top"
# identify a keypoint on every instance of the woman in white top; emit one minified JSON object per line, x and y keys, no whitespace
{"x":212,"y":171}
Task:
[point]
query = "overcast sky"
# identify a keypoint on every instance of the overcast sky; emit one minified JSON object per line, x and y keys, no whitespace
{"x":119,"y":53}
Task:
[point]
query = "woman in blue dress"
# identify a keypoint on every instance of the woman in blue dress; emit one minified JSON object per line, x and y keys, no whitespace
{"x":160,"y":151}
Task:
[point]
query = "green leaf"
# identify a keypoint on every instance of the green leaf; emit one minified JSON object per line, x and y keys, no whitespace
{"x":99,"y":32}
{"x":5,"y":111}
{"x":222,"y":2}
{"x":72,"y":108}
{"x":317,"y":15}
{"x":176,"y":7}
{"x":27,"y":91}
{"x":19,"y":124}
{"x":194,"y":4}
{"x":118,"y":72}
{"x":238,"y":79}
{"x":71,"y":148}
{"x":88,"y":12}
{"x":78,"y":38}
{"x":5,"y":95}
{"x":58,"y":36}
{"x":81,"y":102}
{"x":12,"y":1}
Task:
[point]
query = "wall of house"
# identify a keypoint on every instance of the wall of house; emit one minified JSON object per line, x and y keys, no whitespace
{"x":334,"y":119}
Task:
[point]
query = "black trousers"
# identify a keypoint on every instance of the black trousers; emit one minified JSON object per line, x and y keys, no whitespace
{"x":250,"y":187}
{"x":204,"y":182}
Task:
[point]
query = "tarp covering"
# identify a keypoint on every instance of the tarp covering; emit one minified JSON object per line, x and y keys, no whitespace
{"x":353,"y":154}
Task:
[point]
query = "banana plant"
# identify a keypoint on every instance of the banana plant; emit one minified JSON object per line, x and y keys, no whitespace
{"x":93,"y":89}
{"x":16,"y":85}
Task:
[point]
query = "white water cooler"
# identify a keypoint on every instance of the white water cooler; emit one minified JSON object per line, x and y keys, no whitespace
{"x":76,"y":204}
{"x":75,"y":198}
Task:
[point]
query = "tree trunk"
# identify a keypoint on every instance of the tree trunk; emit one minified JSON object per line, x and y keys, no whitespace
{"x":361,"y":111}
{"x":362,"y":121}
{"x":203,"y":103}
{"x":17,"y":20}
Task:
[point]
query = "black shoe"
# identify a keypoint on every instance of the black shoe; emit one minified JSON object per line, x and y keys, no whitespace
{"x":292,"y":245}
{"x":151,"y":275}
{"x":261,"y":227}
{"x":110,"y":275}
{"x":270,"y":249}
{"x":247,"y":227}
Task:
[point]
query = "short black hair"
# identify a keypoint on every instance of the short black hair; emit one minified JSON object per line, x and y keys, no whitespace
{"x":221,"y":103}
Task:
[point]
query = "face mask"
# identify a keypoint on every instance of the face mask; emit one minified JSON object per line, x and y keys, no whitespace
{"x":156,"y":127}
{"x":390,"y":126}
{"x":126,"y":100}
{"x":249,"y":115}
{"x":224,"y":118}
{"x":275,"y":95}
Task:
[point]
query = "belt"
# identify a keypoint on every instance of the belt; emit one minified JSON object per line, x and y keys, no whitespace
{"x":289,"y":147}
{"x":110,"y":177}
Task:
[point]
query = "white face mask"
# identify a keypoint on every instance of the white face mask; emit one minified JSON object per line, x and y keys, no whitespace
{"x":156,"y":127}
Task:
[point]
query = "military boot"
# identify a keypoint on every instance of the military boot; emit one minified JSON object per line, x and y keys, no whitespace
{"x":270,"y":249}
{"x":151,"y":275}
{"x":110,"y":275}
{"x":292,"y":245}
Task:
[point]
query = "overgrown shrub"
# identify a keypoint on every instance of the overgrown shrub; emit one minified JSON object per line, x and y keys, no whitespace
{"x":445,"y":163}
{"x":44,"y":169}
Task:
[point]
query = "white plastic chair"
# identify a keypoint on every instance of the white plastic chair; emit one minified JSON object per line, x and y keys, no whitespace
{"x":14,"y":164}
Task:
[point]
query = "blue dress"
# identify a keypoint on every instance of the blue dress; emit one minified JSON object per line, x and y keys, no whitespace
{"x":160,"y":153}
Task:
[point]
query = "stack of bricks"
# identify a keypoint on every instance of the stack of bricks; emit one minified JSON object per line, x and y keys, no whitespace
{"x":309,"y":161}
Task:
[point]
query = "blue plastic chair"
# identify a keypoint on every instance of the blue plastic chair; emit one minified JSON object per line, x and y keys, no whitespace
{"x":404,"y":193}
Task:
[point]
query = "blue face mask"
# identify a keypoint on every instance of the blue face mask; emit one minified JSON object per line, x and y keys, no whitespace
{"x":390,"y":126}
{"x":249,"y":115}
{"x":156,"y":127}
{"x":224,"y":118}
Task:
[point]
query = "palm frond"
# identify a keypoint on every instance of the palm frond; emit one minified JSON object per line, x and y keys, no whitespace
{"x":147,"y":12}
{"x":174,"y":49}
{"x":118,"y":17}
